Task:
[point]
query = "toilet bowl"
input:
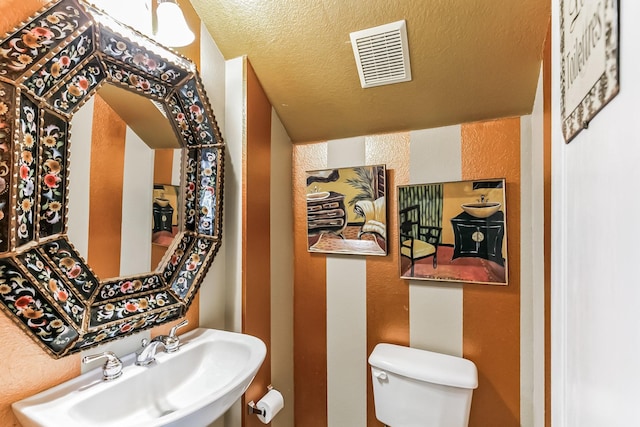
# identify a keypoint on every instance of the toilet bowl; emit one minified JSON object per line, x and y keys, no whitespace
{"x":419,"y":388}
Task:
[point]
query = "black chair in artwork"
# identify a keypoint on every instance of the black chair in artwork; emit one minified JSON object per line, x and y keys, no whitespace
{"x":418,"y":241}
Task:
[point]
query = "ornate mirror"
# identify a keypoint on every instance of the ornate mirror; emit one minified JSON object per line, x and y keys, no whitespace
{"x":49,"y":67}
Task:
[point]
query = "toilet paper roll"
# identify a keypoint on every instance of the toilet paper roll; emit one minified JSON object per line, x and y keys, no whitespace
{"x":270,"y":404}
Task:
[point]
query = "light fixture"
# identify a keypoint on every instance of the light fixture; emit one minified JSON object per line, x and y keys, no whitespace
{"x":172,"y":29}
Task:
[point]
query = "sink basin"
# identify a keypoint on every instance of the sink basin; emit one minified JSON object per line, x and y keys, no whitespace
{"x":191,"y":387}
{"x":318,"y":196}
{"x":481,"y":210}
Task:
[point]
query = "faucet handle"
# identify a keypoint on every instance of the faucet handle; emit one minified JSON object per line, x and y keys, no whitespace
{"x":172,"y":342}
{"x":172,"y":332}
{"x":111,"y":369}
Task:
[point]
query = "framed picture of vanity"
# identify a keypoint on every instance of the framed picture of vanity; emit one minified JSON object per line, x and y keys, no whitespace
{"x":347,"y":210}
{"x":453,"y":231}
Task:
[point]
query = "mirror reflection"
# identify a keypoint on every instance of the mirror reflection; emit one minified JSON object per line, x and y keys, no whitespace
{"x":165,"y":211}
{"x":136,"y":211}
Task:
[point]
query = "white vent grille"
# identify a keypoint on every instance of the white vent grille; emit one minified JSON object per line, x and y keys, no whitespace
{"x":382,"y":54}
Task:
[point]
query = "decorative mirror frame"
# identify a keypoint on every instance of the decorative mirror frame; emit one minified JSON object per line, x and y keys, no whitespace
{"x":49,"y":67}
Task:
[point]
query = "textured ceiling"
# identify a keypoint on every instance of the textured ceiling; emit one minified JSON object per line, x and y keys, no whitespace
{"x":470,"y":60}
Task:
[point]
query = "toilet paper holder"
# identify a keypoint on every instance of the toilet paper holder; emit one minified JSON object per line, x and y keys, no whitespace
{"x":252,"y":409}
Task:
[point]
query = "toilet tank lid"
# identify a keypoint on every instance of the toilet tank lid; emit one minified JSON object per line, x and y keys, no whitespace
{"x":423,"y":365}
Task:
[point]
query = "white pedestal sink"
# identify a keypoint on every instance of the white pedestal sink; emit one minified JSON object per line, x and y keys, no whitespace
{"x":191,"y":387}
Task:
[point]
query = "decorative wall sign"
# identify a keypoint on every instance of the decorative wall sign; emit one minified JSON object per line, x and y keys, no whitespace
{"x":453,"y":231}
{"x":347,"y":210}
{"x":49,"y":67}
{"x":589,"y":50}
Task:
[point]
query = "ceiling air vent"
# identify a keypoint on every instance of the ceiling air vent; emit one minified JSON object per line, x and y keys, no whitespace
{"x":382,"y":54}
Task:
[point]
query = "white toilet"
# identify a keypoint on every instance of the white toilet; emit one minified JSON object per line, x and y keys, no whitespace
{"x":419,"y":388}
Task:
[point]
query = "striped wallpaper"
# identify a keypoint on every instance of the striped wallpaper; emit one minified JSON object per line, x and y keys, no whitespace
{"x":345,"y":305}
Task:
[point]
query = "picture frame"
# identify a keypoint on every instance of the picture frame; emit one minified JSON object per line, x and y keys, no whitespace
{"x":453,"y":231}
{"x":347,"y":210}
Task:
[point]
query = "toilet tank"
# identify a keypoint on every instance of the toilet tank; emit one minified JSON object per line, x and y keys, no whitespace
{"x":418,"y":388}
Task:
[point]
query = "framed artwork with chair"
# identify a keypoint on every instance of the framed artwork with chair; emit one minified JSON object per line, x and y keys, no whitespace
{"x":453,"y":231}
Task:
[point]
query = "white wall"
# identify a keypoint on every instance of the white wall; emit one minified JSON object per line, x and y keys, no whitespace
{"x":435,"y":313}
{"x":235,"y":139}
{"x":137,"y":202}
{"x":346,"y":315}
{"x":595,"y":299}
{"x":281,"y":269}
{"x":231,"y":252}
{"x":221,"y":290}
{"x":532,"y":341}
{"x":213,"y":289}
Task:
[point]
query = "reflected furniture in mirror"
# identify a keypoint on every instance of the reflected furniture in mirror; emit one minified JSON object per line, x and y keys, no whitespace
{"x":165,"y":211}
{"x":49,"y":67}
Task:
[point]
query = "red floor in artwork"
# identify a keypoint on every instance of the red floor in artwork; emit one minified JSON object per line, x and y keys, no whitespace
{"x":465,"y":269}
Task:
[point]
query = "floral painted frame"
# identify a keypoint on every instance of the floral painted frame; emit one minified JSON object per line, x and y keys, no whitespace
{"x":49,"y":67}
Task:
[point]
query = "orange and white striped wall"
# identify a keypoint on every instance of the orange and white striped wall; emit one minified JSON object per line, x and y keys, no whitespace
{"x":345,"y":305}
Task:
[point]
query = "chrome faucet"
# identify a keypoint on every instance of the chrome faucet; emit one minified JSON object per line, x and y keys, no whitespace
{"x":147,"y":354}
{"x":111,"y":369}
